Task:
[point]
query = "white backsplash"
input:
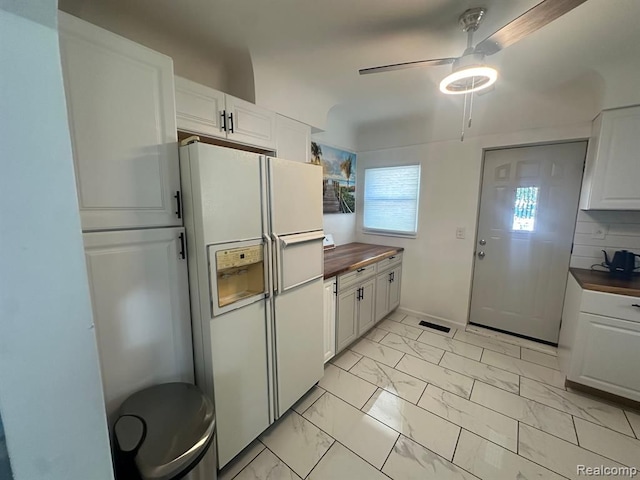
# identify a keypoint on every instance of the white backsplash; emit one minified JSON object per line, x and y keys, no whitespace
{"x":621,"y":231}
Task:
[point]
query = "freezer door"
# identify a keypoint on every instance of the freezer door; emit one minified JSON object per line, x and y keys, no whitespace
{"x":295,"y":193}
{"x":299,"y":259}
{"x":224,"y":190}
{"x":241,"y":380}
{"x":299,"y":341}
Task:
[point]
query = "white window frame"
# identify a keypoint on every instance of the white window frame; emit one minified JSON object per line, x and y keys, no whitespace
{"x":389,"y":232}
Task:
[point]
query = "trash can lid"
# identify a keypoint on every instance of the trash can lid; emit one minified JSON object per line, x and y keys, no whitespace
{"x":178,"y":427}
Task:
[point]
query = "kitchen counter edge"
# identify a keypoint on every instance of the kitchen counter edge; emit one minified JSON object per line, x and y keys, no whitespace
{"x":351,"y":256}
{"x":604,"y":282}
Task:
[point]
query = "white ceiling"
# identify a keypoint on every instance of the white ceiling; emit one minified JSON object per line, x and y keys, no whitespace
{"x":324,"y":43}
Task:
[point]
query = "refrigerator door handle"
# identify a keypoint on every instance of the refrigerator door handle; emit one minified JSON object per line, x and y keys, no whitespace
{"x":277,"y":264}
{"x":302,"y":238}
{"x":268,"y":274}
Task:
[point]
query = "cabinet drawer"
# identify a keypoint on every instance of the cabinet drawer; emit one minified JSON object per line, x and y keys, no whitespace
{"x":351,"y":278}
{"x":389,"y":262}
{"x":611,"y":305}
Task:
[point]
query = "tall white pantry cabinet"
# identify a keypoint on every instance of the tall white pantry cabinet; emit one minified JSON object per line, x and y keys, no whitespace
{"x":120,"y":101}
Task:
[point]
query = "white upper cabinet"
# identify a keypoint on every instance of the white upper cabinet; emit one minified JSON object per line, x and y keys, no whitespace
{"x":250,"y":124}
{"x":199,"y":109}
{"x":293,"y":139}
{"x":612,"y":175}
{"x":120,"y":101}
{"x":203,"y":110}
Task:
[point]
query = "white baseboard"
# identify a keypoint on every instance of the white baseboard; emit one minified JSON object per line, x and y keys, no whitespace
{"x":436,"y":319}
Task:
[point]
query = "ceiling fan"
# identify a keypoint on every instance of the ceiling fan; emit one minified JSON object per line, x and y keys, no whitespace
{"x":470,"y":73}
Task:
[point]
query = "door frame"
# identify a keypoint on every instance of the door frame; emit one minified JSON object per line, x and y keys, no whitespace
{"x":477,"y":227}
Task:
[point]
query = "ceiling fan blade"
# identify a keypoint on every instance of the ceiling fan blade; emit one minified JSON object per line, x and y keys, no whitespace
{"x":401,"y":66}
{"x":530,"y":21}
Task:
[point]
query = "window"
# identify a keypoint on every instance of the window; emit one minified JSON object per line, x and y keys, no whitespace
{"x":391,"y":200}
{"x":524,"y":209}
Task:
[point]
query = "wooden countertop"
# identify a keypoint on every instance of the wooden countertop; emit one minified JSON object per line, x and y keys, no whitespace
{"x":605,"y":282}
{"x":349,"y":257}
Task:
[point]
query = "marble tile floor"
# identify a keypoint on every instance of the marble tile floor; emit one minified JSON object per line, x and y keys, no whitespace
{"x":406,"y":403}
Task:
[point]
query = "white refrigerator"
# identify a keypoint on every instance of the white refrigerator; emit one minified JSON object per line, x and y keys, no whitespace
{"x":254,"y":234}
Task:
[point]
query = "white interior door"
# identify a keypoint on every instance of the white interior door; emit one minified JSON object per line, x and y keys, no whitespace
{"x":296,"y":196}
{"x":527,"y":219}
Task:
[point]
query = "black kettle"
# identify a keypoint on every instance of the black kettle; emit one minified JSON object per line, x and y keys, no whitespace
{"x":623,"y":263}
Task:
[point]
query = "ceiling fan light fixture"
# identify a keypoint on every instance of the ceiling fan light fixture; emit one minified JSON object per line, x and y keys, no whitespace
{"x":468,"y":80}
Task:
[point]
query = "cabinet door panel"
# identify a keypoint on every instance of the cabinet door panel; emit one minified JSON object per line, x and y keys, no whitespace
{"x":120,"y":101}
{"x":382,"y":295}
{"x":366,"y":306}
{"x":394,"y":288}
{"x":607,"y":355}
{"x":199,"y":109}
{"x":140,"y":299}
{"x":329,"y":319}
{"x":617,"y":169}
{"x":293,"y":139}
{"x":250,"y":124}
{"x":347,"y":319}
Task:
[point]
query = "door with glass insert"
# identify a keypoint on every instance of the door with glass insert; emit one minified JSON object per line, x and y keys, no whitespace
{"x":528,"y":209}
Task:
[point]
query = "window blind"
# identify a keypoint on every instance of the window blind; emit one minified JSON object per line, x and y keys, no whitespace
{"x":391,"y":199}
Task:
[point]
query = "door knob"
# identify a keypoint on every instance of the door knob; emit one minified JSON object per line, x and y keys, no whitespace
{"x":481,"y":254}
{"x":482,"y":241}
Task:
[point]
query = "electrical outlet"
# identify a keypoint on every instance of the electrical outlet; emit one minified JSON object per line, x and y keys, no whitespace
{"x":460,"y":233}
{"x":599,"y":232}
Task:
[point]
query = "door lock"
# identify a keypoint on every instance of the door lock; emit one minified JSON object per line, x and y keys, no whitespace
{"x":481,"y":254}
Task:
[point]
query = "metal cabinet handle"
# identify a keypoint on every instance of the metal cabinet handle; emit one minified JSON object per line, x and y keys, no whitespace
{"x":635,"y":305}
{"x":223,"y":114}
{"x":481,"y":254}
{"x":182,"y":251}
{"x":361,"y":270}
{"x":231,"y":122}
{"x":178,"y":204}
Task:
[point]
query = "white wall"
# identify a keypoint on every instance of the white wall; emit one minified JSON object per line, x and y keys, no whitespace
{"x":341,"y":134}
{"x":621,"y":231}
{"x":50,"y":390}
{"x":437,"y":268}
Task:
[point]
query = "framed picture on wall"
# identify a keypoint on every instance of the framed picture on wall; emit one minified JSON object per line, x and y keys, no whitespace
{"x":339,"y":177}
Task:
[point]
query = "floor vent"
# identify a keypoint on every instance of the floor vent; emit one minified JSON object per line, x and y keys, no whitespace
{"x":440,"y":328}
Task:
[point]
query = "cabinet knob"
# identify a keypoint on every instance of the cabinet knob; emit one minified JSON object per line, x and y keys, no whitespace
{"x":481,"y":254}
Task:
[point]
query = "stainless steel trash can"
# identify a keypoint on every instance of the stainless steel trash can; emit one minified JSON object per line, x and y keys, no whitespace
{"x":162,"y":432}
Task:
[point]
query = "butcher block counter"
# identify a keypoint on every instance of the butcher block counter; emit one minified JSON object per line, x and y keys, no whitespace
{"x":605,"y":282}
{"x":349,"y":257}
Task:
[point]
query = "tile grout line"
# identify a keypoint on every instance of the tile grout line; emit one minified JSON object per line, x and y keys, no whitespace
{"x":250,"y":461}
{"x":517,"y":454}
{"x":389,"y":454}
{"x":629,"y":422}
{"x":518,"y":420}
{"x":581,"y":448}
{"x":321,"y":457}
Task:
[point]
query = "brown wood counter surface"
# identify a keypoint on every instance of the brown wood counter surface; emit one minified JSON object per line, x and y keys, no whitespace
{"x":605,"y":282}
{"x":349,"y":257}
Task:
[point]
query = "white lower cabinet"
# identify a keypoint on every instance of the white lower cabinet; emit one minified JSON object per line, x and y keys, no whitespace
{"x":365,"y":297}
{"x":607,"y":355}
{"x":599,"y":342}
{"x":330,"y":292}
{"x":347,"y":318}
{"x":387,"y":292}
{"x":140,"y":299}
